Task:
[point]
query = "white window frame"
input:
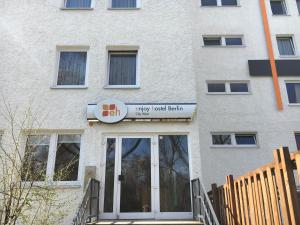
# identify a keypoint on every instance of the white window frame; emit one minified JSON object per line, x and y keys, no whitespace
{"x":64,"y":6}
{"x":60,"y":49}
{"x":233,"y":140}
{"x":219,"y":3}
{"x":223,"y":41}
{"x":138,"y":6}
{"x":286,"y":91}
{"x":52,"y":157}
{"x":292,"y":38}
{"x":227,"y":87}
{"x":284,"y":3}
{"x":123,"y":49}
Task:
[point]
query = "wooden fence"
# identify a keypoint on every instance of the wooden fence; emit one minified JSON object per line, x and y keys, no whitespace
{"x":266,"y":196}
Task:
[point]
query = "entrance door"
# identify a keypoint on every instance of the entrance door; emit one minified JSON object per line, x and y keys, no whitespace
{"x":147,"y":178}
{"x":129,"y":178}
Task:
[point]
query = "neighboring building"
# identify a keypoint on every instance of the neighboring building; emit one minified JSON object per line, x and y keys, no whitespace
{"x":191,"y":79}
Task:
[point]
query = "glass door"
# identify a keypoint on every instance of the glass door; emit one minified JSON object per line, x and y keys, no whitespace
{"x":135,"y":178}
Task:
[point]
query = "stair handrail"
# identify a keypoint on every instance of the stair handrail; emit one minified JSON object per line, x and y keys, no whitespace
{"x":84,"y":212}
{"x":206,"y":210}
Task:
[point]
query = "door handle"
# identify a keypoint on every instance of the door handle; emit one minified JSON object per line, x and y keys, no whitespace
{"x":121,"y":177}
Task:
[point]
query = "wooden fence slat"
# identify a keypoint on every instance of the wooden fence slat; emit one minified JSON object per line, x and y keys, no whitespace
{"x":258,"y":201}
{"x":261,"y":201}
{"x":297,"y":158}
{"x":232,"y":209}
{"x":281,"y":188}
{"x":253,"y":218}
{"x":290,"y":185}
{"x":274,"y":198}
{"x":246,"y":208}
{"x":255,"y":201}
{"x":265,"y":198}
{"x":237,"y":203}
{"x":243,"y":222}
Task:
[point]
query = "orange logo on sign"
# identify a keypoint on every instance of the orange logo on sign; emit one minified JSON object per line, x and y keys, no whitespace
{"x":110,"y":110}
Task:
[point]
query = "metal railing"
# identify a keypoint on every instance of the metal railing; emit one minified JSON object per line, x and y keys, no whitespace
{"x":202,"y":207}
{"x":89,"y":206}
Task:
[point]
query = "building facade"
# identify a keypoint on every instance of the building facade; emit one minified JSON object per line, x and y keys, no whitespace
{"x":147,"y":95}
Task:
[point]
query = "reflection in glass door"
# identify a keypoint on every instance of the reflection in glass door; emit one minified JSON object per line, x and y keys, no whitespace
{"x":135,"y":178}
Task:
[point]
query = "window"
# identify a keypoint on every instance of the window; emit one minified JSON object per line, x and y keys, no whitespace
{"x":123,"y":4}
{"x":234,"y":139}
{"x":123,"y":68}
{"x":229,"y":2}
{"x":216,"y":87}
{"x":72,"y":68}
{"x":227,"y":87}
{"x":223,"y":40}
{"x":55,"y":157}
{"x":293,"y":91}
{"x":233,"y":41}
{"x":278,"y":7}
{"x":78,"y":4}
{"x":209,"y":2}
{"x":297,"y":136}
{"x":219,"y":2}
{"x":286,"y":46}
{"x":212,"y":41}
{"x":298,"y":5}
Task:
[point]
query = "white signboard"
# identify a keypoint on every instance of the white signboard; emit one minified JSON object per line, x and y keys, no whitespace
{"x":139,"y":111}
{"x":110,"y":111}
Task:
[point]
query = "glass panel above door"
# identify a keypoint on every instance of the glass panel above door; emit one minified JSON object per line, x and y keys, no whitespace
{"x":174,"y":176}
{"x":135,"y":175}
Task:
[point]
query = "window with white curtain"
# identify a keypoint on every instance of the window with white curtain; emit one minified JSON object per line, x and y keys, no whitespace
{"x":72,"y":68}
{"x":123,"y":4}
{"x":122,"y":68}
{"x":52,"y":157}
{"x":293,"y":91}
{"x":75,"y":4}
{"x":219,"y":2}
{"x":286,"y":46}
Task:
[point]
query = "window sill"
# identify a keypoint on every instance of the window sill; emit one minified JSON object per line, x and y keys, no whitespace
{"x":281,"y":15}
{"x":58,"y":185}
{"x":289,"y":56}
{"x":69,"y":87}
{"x":121,"y":87}
{"x":230,"y":93}
{"x":234,"y":146}
{"x":72,"y":9}
{"x":219,"y":6}
{"x":224,"y":46}
{"x":294,"y":104}
{"x":110,"y":8}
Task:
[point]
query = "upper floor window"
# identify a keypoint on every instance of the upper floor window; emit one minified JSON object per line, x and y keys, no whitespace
{"x":293,"y":91}
{"x":228,"y":40}
{"x":234,"y":139}
{"x":124,"y":4}
{"x":286,"y":45}
{"x":278,"y":7}
{"x":228,"y":87}
{"x":298,"y":5}
{"x":297,"y":136}
{"x":72,"y":68}
{"x":78,"y":4}
{"x":51,"y":157}
{"x":122,"y":68}
{"x":219,"y":2}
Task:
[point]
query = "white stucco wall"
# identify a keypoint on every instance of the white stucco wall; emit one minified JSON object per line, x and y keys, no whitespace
{"x":174,"y":67}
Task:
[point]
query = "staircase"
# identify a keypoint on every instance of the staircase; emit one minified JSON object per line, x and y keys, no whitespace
{"x":147,"y":222}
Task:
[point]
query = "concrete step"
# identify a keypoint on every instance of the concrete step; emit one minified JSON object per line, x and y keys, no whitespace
{"x":147,"y":222}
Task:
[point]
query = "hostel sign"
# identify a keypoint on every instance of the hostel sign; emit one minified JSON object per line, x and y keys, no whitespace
{"x":113,"y":111}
